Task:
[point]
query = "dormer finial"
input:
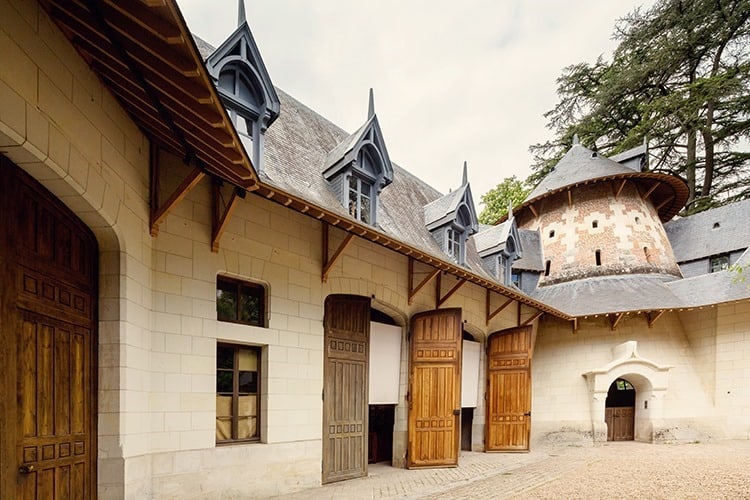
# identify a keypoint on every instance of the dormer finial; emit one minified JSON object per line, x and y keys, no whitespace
{"x":465,"y":179}
{"x":241,"y":17}
{"x":371,"y":105}
{"x":576,"y":140}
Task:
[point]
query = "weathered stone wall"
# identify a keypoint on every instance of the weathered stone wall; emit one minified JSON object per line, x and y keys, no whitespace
{"x":626,"y":231}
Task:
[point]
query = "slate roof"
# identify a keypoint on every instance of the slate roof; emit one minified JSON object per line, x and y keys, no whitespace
{"x":437,"y":212}
{"x":714,"y":288}
{"x":492,"y":239}
{"x":531,"y":258}
{"x":581,"y":165}
{"x":716,"y":231}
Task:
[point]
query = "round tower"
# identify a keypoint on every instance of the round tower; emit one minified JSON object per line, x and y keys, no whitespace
{"x":597,"y":217}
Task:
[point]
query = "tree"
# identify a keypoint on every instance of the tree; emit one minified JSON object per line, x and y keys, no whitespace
{"x":680,"y":77}
{"x":510,"y":192}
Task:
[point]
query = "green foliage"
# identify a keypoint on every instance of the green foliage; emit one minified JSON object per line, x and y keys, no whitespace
{"x":510,"y":192}
{"x":680,"y":77}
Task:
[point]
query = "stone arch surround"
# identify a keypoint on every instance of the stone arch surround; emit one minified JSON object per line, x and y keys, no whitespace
{"x":650,"y":381}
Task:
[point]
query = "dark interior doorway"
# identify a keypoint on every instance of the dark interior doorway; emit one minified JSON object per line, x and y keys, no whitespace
{"x":467,"y":417}
{"x":382,"y":418}
{"x":619,"y":411}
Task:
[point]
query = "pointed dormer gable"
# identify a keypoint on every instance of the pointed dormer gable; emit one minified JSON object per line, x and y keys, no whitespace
{"x":245,"y":87}
{"x":452,"y":219}
{"x":499,"y":246}
{"x":359,"y":167}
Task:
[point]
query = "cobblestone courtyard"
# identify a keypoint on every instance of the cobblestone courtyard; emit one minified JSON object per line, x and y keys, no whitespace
{"x":716,"y":470}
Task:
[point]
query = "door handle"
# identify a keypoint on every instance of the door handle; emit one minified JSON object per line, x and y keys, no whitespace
{"x":26,"y":469}
{"x":527,"y":414}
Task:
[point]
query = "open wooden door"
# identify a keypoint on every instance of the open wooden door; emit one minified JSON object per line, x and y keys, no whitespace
{"x":345,"y":386}
{"x":435,"y":389}
{"x":48,"y":385}
{"x":509,"y":390}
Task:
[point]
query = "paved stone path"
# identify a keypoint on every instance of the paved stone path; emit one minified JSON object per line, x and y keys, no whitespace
{"x":614,"y":470}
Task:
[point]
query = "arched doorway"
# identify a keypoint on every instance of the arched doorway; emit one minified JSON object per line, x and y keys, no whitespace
{"x":48,"y":339}
{"x":619,"y":411}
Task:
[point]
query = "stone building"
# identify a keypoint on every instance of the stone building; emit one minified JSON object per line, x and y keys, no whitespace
{"x":207,"y":289}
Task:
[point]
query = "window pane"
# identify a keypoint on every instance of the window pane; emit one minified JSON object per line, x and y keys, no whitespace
{"x":224,"y":357}
{"x":353,"y":204}
{"x":248,"y":382}
{"x":226,"y":80}
{"x":224,"y":381}
{"x":226,"y":300}
{"x":251,"y":307}
{"x":248,"y":360}
{"x":365,"y":209}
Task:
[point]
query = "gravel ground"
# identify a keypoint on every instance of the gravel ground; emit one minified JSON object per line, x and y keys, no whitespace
{"x":634,"y":470}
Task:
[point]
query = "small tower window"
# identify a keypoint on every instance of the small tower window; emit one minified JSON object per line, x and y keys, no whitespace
{"x":595,"y":224}
{"x":717,"y":225}
{"x":598,"y":257}
{"x":546,"y":267}
{"x":637,"y":220}
{"x":647,"y":254}
{"x":552,"y":233}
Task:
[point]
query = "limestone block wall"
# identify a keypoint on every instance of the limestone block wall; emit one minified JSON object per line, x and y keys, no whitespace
{"x":733,"y":367}
{"x":561,"y":398}
{"x":625,"y":231}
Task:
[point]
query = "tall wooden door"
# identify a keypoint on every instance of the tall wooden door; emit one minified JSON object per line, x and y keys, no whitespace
{"x":47,"y":329}
{"x":345,"y":387}
{"x":509,"y":390}
{"x":435,"y":389}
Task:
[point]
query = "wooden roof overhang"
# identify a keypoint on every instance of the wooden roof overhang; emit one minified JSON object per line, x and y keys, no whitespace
{"x":667,"y":192}
{"x":143,"y":52}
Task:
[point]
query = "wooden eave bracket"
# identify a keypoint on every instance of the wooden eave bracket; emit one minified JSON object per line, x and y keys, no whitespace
{"x":574,"y":322}
{"x":414,"y":290}
{"x":328,"y":263}
{"x":160,"y":211}
{"x":663,"y":203}
{"x":615,"y":320}
{"x":533,"y":211}
{"x":439,"y":298}
{"x":619,"y":189}
{"x":536,"y":316}
{"x":220,"y":213}
{"x":651,"y":317}
{"x":650,"y":190}
{"x":492,"y":314}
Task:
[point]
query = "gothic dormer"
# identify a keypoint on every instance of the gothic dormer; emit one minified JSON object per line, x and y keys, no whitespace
{"x":452,"y":219}
{"x":245,"y":87}
{"x":499,"y":246}
{"x":359,"y":168}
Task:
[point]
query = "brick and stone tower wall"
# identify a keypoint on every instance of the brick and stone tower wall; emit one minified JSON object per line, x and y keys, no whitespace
{"x":594,"y":230}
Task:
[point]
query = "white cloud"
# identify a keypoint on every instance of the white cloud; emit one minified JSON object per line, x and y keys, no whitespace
{"x":452,"y":83}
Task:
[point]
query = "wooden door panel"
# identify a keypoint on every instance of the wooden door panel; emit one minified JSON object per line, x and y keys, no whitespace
{"x":347,"y":328}
{"x":508,"y":423}
{"x":620,"y":423}
{"x":48,"y":332}
{"x":435,"y":389}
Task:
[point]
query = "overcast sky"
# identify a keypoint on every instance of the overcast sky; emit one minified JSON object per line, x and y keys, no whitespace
{"x":453,"y":81}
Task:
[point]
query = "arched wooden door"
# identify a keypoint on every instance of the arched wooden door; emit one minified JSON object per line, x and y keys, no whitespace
{"x":619,"y":411}
{"x":48,"y":277}
{"x":509,"y":390}
{"x":435,"y":389}
{"x":345,"y":387}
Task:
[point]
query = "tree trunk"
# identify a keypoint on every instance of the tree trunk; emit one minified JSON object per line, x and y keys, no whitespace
{"x":708,"y":144}
{"x":690,"y":165}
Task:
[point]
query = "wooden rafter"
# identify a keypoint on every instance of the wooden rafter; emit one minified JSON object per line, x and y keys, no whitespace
{"x":619,"y":189}
{"x":650,"y":190}
{"x":160,"y":210}
{"x":413,"y":290}
{"x":663,"y":203}
{"x":575,"y":325}
{"x":615,"y":320}
{"x":492,"y":314}
{"x":651,"y":317}
{"x":221,"y":212}
{"x":538,"y":314}
{"x":570,"y":198}
{"x":439,"y":297}
{"x":533,"y":210}
{"x":328,"y":263}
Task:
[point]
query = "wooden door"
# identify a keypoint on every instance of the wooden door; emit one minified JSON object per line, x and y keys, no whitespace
{"x":509,"y":390}
{"x":435,"y":389}
{"x":620,"y":423}
{"x":345,"y":387}
{"x":47,"y":329}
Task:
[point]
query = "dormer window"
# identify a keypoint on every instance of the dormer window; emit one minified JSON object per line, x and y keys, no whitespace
{"x":454,"y":244}
{"x":358,"y":169}
{"x":245,"y":89}
{"x":360,"y":198}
